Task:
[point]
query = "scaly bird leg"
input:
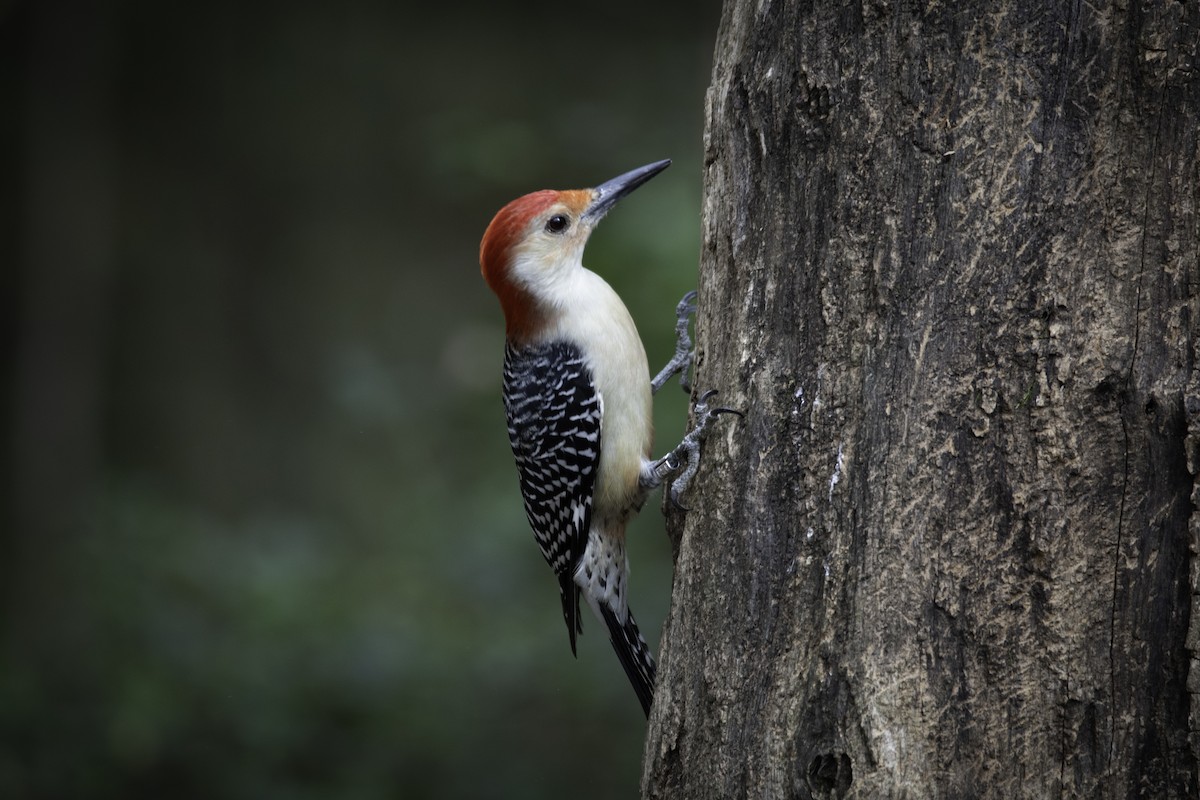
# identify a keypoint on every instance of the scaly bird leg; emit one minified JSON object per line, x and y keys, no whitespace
{"x":686,"y":455}
{"x":682,"y":360}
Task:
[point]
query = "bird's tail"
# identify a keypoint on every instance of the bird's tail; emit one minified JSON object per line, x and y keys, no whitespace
{"x":570,"y":606}
{"x":634,"y":654}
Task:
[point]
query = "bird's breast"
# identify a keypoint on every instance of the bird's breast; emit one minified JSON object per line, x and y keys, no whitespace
{"x":612,"y":348}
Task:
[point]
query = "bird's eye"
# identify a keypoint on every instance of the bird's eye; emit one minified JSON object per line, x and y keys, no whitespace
{"x":558,"y":223}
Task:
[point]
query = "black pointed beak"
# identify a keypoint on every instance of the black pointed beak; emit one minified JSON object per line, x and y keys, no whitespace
{"x":608,"y":193}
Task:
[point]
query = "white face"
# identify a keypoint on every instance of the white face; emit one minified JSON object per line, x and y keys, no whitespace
{"x":552,"y":246}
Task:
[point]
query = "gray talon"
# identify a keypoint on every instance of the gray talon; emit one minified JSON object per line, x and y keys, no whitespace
{"x":687,"y":306}
{"x":687,"y":454}
{"x":684,"y":352}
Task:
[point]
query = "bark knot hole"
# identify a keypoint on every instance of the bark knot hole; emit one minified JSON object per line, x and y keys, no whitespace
{"x":830,"y":775}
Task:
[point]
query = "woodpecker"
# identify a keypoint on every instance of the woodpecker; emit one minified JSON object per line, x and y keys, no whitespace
{"x":577,"y":393}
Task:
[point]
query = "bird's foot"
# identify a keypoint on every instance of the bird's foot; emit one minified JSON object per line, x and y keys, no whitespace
{"x":685,"y":458}
{"x":684,"y":352}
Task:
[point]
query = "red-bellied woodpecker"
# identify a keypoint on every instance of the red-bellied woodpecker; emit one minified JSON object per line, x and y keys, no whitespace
{"x":577,"y":393}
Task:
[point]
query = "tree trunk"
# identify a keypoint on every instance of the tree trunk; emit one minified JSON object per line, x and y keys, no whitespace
{"x":950,"y":271}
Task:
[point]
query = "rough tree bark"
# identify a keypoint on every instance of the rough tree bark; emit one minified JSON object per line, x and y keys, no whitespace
{"x":950,"y":270}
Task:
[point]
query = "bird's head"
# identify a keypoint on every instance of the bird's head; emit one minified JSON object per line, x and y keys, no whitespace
{"x":536,"y":240}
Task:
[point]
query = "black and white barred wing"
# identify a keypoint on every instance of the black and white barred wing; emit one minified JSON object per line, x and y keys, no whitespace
{"x":554,"y":416}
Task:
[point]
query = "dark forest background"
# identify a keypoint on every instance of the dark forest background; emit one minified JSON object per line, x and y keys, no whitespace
{"x":260,"y":535}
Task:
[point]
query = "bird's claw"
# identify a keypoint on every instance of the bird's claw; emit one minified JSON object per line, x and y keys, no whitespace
{"x":701,"y":408}
{"x":686,"y":306}
{"x":689,"y":449}
{"x":681,"y":362}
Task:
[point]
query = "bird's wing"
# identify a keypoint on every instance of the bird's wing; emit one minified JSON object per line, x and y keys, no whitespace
{"x":554,"y":413}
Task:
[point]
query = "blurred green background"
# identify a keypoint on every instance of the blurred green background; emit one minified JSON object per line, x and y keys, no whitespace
{"x":261,"y":535}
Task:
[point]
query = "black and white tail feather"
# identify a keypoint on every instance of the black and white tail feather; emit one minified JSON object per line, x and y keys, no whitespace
{"x":634,"y":655}
{"x":554,"y":426}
